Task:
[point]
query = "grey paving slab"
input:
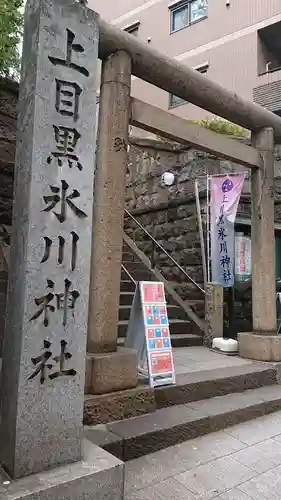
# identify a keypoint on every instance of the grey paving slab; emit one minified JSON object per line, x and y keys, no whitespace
{"x":258,"y":430}
{"x":207,"y":448}
{"x":212,"y":467}
{"x":214,"y":364}
{"x":169,"y":489}
{"x":266,"y":486}
{"x":278,"y":438}
{"x":152,"y":468}
{"x":201,"y":358}
{"x":181,"y":369}
{"x":179,"y":458}
{"x":233,"y":494}
{"x":260,"y":457}
{"x":209,"y":480}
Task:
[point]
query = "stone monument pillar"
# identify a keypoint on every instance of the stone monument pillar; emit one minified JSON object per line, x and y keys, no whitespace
{"x":47,"y":310}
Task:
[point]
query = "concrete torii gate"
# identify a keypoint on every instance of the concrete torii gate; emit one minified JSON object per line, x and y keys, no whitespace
{"x":123,"y":56}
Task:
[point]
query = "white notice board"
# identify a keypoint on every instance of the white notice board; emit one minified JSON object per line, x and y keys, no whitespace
{"x":149,"y":333}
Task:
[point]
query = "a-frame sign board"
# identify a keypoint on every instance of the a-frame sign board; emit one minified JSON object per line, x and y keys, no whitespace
{"x":148,"y":332}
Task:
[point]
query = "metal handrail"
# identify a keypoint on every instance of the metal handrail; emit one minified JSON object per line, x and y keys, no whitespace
{"x":163,"y":250}
{"x":128,"y":274}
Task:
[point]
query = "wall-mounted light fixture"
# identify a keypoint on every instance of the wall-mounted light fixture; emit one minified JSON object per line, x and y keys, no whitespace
{"x":167,"y":179}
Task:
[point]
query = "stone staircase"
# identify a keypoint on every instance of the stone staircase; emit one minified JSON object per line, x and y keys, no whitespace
{"x":200,"y":403}
{"x":184,"y":332}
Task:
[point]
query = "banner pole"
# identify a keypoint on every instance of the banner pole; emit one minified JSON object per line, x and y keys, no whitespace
{"x":231,"y":312}
{"x":208,"y":230}
{"x":201,"y":234}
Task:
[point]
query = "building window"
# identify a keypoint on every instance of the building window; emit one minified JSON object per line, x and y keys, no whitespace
{"x":175,"y":101}
{"x":133,"y":29}
{"x":178,"y":101}
{"x":269,"y":49}
{"x":186,"y":12}
{"x":202,"y":68}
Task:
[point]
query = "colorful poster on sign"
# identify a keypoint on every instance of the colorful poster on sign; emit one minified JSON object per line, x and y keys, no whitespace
{"x":153,"y":292}
{"x":225,"y":194}
{"x":161,"y":363}
{"x":243,"y":259}
{"x":157,"y":334}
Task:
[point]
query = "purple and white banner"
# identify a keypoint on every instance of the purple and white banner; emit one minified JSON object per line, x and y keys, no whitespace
{"x":225,"y":194}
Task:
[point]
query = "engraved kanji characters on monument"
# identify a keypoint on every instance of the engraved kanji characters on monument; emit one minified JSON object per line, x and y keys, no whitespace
{"x":44,"y":304}
{"x":67,"y":98}
{"x":51,"y":302}
{"x":70,"y":48}
{"x":61,"y":198}
{"x":61,"y":359}
{"x":42,"y":363}
{"x":46,"y":361}
{"x":66,"y":139}
{"x":61,"y":249}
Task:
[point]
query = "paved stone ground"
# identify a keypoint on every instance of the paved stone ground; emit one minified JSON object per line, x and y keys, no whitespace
{"x":240,"y":463}
{"x":194,"y":359}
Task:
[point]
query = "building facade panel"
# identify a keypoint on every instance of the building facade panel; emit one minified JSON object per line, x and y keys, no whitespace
{"x":232,"y":65}
{"x":232,"y":39}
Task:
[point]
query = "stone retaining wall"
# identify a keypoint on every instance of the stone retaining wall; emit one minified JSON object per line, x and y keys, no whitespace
{"x":8,"y":126}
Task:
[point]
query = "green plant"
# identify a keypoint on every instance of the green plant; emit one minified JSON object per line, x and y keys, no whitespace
{"x":223,"y":127}
{"x":11,"y":21}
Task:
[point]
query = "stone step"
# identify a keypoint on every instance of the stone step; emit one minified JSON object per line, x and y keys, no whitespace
{"x":127,"y":256}
{"x":174,"y":312}
{"x":189,"y":387}
{"x":127,"y":286}
{"x":136,"y":437}
{"x":133,"y":265}
{"x":127,"y":249}
{"x":126,"y":298}
{"x":139,"y":274}
{"x":127,"y":295}
{"x":177,"y":326}
{"x":104,"y":408}
{"x":181,"y":340}
{"x":207,"y":384}
{"x":186,"y":339}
